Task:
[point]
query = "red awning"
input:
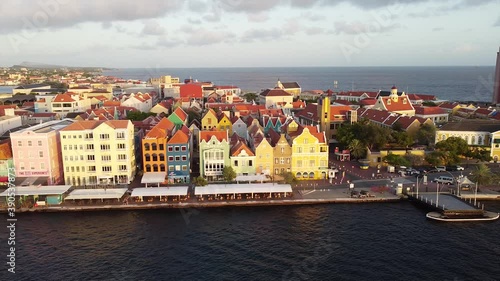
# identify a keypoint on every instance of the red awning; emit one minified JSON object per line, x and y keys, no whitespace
{"x":4,"y":179}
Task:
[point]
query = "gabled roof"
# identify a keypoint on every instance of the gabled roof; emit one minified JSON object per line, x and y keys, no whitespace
{"x":290,"y":85}
{"x":180,"y":113}
{"x":275,"y":93}
{"x":449,"y":105}
{"x":375,"y":115}
{"x":484,"y":111}
{"x":219,"y":135}
{"x":66,"y":97}
{"x":368,"y":101}
{"x":179,"y":138}
{"x":407,"y":121}
{"x":274,"y":137}
{"x":401,"y":104}
{"x":92,"y":124}
{"x":429,"y":110}
{"x":415,"y":97}
{"x":472,"y":125}
{"x":238,"y":147}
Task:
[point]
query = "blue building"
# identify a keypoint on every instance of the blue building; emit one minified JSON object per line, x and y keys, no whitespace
{"x":179,"y":157}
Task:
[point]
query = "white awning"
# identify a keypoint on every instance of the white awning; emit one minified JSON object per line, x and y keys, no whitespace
{"x":242,"y":188}
{"x":154,"y":177}
{"x":38,"y":190}
{"x":251,"y":178}
{"x":108,"y":193}
{"x":160,"y":191}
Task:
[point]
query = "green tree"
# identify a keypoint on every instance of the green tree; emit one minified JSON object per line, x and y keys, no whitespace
{"x":426,"y":134}
{"x":452,"y":149}
{"x":251,"y":97}
{"x":482,"y":175}
{"x":396,"y":160}
{"x":415,"y":160}
{"x":434,"y":158}
{"x":401,"y":139}
{"x":228,"y":173}
{"x":357,"y":148}
{"x":479,"y":154}
{"x":139,"y":116}
{"x":289,"y":178}
{"x":200,"y":181}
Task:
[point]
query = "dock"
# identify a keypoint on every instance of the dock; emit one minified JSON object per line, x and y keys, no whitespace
{"x":450,"y":208}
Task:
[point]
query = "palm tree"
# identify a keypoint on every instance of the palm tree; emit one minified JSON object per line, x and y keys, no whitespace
{"x":357,"y":148}
{"x":482,"y":175}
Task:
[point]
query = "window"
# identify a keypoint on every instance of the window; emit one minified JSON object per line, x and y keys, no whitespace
{"x":90,"y":147}
{"x":236,"y":163}
{"x":170,"y":149}
{"x":106,"y":168}
{"x":65,"y":147}
{"x":177,"y":148}
{"x":282,"y":160}
{"x":106,"y":157}
{"x":299,"y":163}
{"x":67,"y":169}
{"x":19,"y":143}
{"x":39,"y":143}
{"x":312,"y":163}
{"x":64,"y":137}
{"x":122,"y":167}
{"x":77,"y":169}
{"x":311,"y":150}
{"x":42,"y":166}
{"x":146,"y":146}
{"x":171,"y":168}
{"x":120,"y":146}
{"x":276,"y":171}
{"x":250,"y":163}
{"x":184,"y":158}
{"x":122,"y":157}
{"x":276,"y":161}
{"x":105,"y":147}
{"x":148,"y":157}
{"x":184,"y":167}
{"x":90,"y":157}
{"x":177,"y":158}
{"x":120,"y":135}
{"x":155,"y":157}
{"x":323,"y":149}
{"x":154,"y":147}
{"x":288,"y":160}
{"x":306,"y":141}
{"x":162,"y":146}
{"x":177,"y":167}
{"x":30,"y":143}
{"x":65,"y":158}
{"x":162,"y":157}
{"x":171,"y":158}
{"x":299,"y":149}
{"x":183,"y":148}
{"x":71,"y":158}
{"x":89,"y":136}
{"x":282,"y":150}
{"x":104,"y":136}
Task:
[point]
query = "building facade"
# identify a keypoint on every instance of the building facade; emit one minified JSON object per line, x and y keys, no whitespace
{"x":179,"y":158}
{"x":98,"y":152}
{"x":309,"y":154}
{"x":214,"y":154}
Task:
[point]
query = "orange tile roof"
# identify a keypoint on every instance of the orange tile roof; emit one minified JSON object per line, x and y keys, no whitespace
{"x":180,"y":113}
{"x":66,"y":97}
{"x":398,"y":105}
{"x":429,"y":110}
{"x":5,"y":150}
{"x":219,"y":135}
{"x":179,"y":138}
{"x":92,"y":124}
{"x":238,"y":147}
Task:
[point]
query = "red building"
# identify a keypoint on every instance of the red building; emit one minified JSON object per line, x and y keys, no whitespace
{"x":191,"y":91}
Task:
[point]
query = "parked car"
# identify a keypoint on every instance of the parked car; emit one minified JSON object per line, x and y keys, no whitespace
{"x":444,"y":180}
{"x":454,"y":168}
{"x":441,"y":168}
{"x":412,"y":172}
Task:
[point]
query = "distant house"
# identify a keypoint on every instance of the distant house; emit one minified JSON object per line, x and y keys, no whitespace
{"x":436,"y":114}
{"x":272,"y":97}
{"x":396,"y":102}
{"x":214,"y":154}
{"x":26,"y":89}
{"x":292,"y":88}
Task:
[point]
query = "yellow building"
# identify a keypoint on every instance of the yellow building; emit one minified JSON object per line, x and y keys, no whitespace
{"x":292,"y":88}
{"x":264,"y":157}
{"x":224,"y":124}
{"x":98,"y":152}
{"x":495,"y":146}
{"x":376,"y":158}
{"x":209,"y":120}
{"x":154,"y":146}
{"x":309,"y":153}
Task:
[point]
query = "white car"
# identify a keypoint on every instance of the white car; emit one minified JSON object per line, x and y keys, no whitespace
{"x":460,"y":168}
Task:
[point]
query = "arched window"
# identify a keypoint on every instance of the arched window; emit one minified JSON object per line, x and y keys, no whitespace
{"x":299,"y":175}
{"x":162,"y":168}
{"x":148,"y":157}
{"x":153,"y":146}
{"x":148,"y":168}
{"x":473,"y":140}
{"x":146,"y":146}
{"x":480,"y":140}
{"x":155,"y":168}
{"x":311,"y":175}
{"x":162,"y":157}
{"x":155,"y":157}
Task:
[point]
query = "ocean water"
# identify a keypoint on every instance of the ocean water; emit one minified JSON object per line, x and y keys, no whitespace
{"x":390,"y":241}
{"x":449,"y":83}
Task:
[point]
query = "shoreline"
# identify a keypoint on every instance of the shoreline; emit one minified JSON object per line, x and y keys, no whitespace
{"x":196,"y":205}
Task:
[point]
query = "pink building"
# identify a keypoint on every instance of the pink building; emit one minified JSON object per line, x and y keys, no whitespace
{"x":36,"y":151}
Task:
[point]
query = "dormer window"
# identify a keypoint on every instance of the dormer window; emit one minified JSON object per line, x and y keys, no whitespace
{"x":389,"y":102}
{"x":404,"y":101}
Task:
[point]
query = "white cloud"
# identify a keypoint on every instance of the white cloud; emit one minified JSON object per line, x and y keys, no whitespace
{"x":152,"y":27}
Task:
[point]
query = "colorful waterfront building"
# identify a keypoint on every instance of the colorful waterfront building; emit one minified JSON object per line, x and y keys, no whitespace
{"x":98,"y":152}
{"x":6,"y":161}
{"x":179,"y":157}
{"x":309,"y":153}
{"x":214,"y":154}
{"x":179,"y":117}
{"x":263,"y":156}
{"x":239,"y":127}
{"x":37,"y":151}
{"x":209,"y":120}
{"x":154,"y":146}
{"x":224,"y":123}
{"x":242,"y":159}
{"x":282,"y":153}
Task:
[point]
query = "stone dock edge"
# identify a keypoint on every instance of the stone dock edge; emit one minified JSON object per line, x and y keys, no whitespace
{"x":200,"y":205}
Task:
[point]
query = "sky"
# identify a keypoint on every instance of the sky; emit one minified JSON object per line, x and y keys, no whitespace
{"x":249,"y":33}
